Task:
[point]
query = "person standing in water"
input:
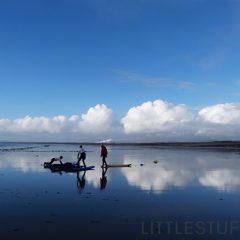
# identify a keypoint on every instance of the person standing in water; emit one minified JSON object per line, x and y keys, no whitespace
{"x":104,"y":153}
{"x":81,"y":156}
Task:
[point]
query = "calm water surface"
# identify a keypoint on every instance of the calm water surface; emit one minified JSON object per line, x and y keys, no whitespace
{"x":166,"y":194}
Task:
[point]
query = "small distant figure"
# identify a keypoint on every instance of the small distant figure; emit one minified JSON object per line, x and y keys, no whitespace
{"x":81,"y":156}
{"x":104,"y":153}
{"x":103,"y":179}
{"x":56,"y":159}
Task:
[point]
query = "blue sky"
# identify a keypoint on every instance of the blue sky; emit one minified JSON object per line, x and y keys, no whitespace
{"x":62,"y":57}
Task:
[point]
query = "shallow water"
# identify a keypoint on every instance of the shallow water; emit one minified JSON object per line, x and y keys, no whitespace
{"x":167,"y":194}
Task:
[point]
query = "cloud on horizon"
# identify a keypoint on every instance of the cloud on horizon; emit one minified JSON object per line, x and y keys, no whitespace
{"x":157,"y":116}
{"x":151,"y":121}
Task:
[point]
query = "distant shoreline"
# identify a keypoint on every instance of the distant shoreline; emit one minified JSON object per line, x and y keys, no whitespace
{"x":207,"y":144}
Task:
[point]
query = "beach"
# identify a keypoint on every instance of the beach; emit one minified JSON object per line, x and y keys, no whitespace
{"x":167,"y":193}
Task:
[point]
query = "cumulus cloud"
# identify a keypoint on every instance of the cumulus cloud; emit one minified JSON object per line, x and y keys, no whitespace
{"x":220,"y":121}
{"x":97,"y":120}
{"x":165,"y":121}
{"x":157,"y":116}
{"x":228,"y":113}
{"x":34,"y":124}
{"x":151,"y":121}
{"x":159,"y":119}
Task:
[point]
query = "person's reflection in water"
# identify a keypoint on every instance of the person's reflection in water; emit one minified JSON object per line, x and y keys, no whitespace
{"x":80,"y":181}
{"x":103,"y":179}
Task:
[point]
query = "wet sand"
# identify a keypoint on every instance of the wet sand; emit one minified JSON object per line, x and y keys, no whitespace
{"x":168,"y":193}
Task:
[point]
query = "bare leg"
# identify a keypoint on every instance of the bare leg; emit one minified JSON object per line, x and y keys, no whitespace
{"x":104,"y":161}
{"x":78,"y":162}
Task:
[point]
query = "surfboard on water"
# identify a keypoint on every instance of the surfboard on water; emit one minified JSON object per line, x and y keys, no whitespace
{"x":119,"y":165}
{"x":68,"y":167}
{"x":82,"y":168}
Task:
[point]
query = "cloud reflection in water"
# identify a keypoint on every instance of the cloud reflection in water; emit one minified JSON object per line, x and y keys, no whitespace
{"x":220,"y":170}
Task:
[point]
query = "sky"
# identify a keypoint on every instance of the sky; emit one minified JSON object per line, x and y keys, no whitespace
{"x":129,"y":70}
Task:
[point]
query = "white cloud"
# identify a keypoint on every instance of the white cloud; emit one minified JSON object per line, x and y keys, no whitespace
{"x":151,"y":121}
{"x":165,"y":121}
{"x":151,"y":81}
{"x":98,"y":119}
{"x":34,"y":124}
{"x":228,"y":113}
{"x":155,"y":117}
{"x":220,"y":121}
